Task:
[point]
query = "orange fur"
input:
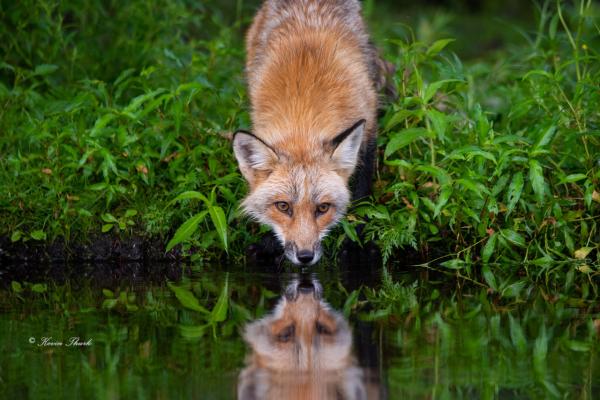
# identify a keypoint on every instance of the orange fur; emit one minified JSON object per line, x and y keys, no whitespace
{"x":308,"y":83}
{"x":310,"y":78}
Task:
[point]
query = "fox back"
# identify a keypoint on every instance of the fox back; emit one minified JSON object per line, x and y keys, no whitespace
{"x":311,"y":75}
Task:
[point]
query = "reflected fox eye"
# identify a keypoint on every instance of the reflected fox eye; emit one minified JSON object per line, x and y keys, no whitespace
{"x":285,"y":335}
{"x":322,"y":329}
{"x":323,"y":208}
{"x":283,"y":206}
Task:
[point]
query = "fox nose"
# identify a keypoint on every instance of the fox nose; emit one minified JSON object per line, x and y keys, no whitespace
{"x":305,"y":256}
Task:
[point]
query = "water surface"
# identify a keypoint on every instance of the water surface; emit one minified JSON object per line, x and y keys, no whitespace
{"x":159,"y":332}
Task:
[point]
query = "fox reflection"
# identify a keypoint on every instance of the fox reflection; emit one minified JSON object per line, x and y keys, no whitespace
{"x":303,"y":350}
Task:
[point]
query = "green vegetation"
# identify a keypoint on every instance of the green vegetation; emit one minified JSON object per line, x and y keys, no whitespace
{"x":117,"y":117}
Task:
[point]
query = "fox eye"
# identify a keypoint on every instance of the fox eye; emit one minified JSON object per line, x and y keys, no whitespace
{"x":286,"y":334}
{"x":283,"y":206}
{"x":322,"y":329}
{"x":323,"y":208}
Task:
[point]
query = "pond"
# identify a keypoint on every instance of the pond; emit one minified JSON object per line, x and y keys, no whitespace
{"x":169,"y":331}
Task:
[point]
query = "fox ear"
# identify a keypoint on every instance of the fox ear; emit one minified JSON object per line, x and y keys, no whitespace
{"x":255,"y":157}
{"x":346,"y":147}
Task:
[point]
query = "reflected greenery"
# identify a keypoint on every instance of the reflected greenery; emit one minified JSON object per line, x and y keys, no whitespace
{"x":423,"y":337}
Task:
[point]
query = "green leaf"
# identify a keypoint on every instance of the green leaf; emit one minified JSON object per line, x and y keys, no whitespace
{"x":443,"y":198}
{"x":349,"y":231}
{"x":540,"y":352}
{"x":488,"y":276}
{"x":577,"y":345}
{"x":130,"y":213}
{"x":135,"y":104}
{"x":470,"y":151}
{"x":192,"y":332}
{"x":98,"y":186}
{"x":545,"y":138}
{"x":433,"y":87}
{"x":516,"y":335}
{"x":16,"y":236}
{"x":404,"y":138}
{"x":187,"y":299}
{"x":500,"y":184}
{"x":399,"y":117}
{"x":109,"y":218}
{"x":476,"y":187}
{"x":552,"y":26}
{"x":439,"y":173}
{"x":488,"y":249}
{"x":219,"y":312}
{"x":109,"y":304}
{"x":514,"y":191}
{"x":536,"y":177}
{"x":455,"y":263}
{"x":438,"y":46}
{"x":573,"y":178}
{"x":350,"y":303}
{"x":569,"y":241}
{"x":534,"y":72}
{"x":513,"y":237}
{"x":217,"y":215}
{"x":39,"y":288}
{"x":186,"y":230}
{"x":439,"y":121}
{"x":106,"y":227}
{"x":108,"y":293}
{"x":189,"y":195}
{"x":377,"y":314}
{"x":101,"y":123}
{"x":38,"y":235}
{"x":16,"y":287}
{"x":45,"y":69}
{"x":83,"y":212}
{"x":513,"y":290}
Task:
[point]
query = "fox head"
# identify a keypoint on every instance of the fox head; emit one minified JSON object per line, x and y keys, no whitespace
{"x":299,"y":189}
{"x":302,"y":334}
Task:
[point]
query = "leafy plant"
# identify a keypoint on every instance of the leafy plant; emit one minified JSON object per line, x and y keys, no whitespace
{"x":187,"y":229}
{"x":121,"y":223}
{"x":487,"y":157}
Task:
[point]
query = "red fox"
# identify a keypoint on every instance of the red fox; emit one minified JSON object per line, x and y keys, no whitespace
{"x":303,"y":350}
{"x":313,"y":78}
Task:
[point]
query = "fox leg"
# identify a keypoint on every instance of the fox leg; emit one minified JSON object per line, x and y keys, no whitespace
{"x":352,"y":254}
{"x":363,"y":177}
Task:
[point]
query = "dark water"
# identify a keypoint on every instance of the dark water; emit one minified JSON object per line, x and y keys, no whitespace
{"x":164,"y":332}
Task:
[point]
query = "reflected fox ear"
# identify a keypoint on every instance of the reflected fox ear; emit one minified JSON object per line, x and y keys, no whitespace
{"x":255,"y":157}
{"x":346,"y":147}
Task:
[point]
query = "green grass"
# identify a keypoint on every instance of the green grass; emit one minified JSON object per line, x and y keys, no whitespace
{"x":109,"y":112}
